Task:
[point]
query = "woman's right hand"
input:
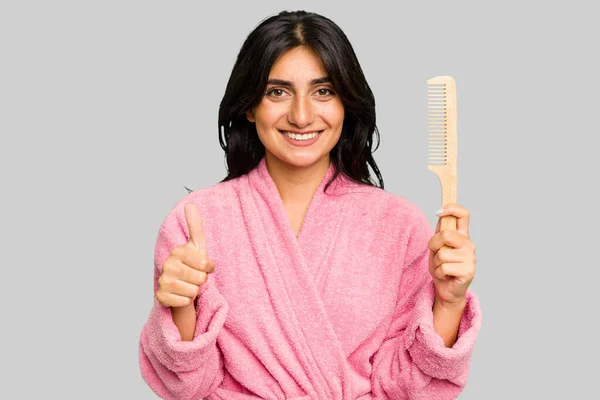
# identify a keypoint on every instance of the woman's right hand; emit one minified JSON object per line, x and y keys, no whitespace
{"x":187,"y":267}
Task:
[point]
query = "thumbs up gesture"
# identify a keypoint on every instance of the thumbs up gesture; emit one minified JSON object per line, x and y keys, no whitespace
{"x":187,"y":266}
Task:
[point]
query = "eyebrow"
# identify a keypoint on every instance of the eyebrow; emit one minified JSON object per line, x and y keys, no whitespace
{"x":281,"y":82}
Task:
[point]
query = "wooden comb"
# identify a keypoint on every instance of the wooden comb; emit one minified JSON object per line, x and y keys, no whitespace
{"x":442,"y":141}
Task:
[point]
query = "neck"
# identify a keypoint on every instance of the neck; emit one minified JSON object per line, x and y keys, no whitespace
{"x":296,"y":184}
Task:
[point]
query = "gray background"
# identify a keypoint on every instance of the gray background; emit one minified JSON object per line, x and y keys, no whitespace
{"x":107,"y":109}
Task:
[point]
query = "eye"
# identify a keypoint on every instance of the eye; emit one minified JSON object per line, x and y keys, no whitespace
{"x":275,"y":92}
{"x":324,"y":92}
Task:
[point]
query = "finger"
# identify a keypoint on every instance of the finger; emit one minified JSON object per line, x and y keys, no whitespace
{"x":193,"y":276}
{"x":437,"y":228}
{"x":450,"y":238}
{"x":196,"y":259}
{"x":462,"y":215}
{"x":194,"y":224}
{"x":180,"y":287}
{"x":210,"y":267}
{"x":173,"y":300}
{"x":453,"y":270}
{"x":449,"y":255}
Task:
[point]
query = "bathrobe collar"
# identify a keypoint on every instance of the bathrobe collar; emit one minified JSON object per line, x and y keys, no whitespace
{"x":293,"y":269}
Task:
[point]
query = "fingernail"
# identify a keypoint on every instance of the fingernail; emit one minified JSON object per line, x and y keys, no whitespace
{"x":439,"y":211}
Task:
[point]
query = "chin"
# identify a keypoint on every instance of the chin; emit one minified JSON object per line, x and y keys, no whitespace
{"x":302,"y":160}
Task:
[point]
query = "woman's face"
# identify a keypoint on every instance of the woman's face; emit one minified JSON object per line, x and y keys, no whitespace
{"x":300,"y":118}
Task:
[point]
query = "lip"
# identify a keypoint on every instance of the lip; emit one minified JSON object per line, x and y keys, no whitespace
{"x":301,"y":143}
{"x":300,"y":133}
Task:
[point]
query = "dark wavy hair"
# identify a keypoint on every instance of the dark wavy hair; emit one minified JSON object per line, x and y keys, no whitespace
{"x":275,"y":35}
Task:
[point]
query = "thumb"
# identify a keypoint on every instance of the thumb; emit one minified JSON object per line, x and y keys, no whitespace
{"x":194,"y":224}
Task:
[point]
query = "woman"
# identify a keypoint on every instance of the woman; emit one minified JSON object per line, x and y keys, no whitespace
{"x":298,"y":276}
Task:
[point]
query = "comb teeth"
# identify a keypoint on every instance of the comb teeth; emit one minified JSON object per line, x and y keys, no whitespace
{"x":437,"y":124}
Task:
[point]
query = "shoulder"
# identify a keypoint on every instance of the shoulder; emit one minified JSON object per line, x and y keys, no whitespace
{"x":401,"y":210}
{"x":391,"y":222}
{"x":215,"y":196}
{"x":381,"y":204}
{"x":395,"y":219}
{"x":210,"y":200}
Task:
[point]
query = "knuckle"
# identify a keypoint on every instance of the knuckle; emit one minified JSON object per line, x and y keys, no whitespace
{"x":166,"y":271}
{"x":212,"y":266}
{"x":169,"y":267}
{"x":440,"y":272}
{"x":196,"y":290}
{"x":189,"y":275}
{"x":160,"y":297}
{"x":184,"y":273}
{"x":198,"y":277}
{"x":183,"y":252}
{"x":203,"y":278}
{"x":443,"y":254}
{"x":446,"y":234}
{"x":167,"y":283}
{"x":164,"y":281}
{"x":176,"y":252}
{"x":430,"y":243}
{"x":168,"y":277}
{"x":205,"y":265}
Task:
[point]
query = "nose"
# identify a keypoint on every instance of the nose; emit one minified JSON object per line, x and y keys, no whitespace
{"x":301,"y":112}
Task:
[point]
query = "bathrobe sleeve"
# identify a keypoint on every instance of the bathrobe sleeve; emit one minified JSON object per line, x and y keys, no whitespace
{"x":413,"y":362}
{"x":172,"y":368}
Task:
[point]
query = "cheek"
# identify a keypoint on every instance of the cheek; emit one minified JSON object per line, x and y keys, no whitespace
{"x":267,"y":116}
{"x":335,"y":114}
{"x":335,"y":118}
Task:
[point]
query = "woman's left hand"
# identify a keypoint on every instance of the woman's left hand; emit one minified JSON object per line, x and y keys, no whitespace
{"x":452,"y":268}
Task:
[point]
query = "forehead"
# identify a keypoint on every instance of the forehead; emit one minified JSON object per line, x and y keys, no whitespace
{"x":300,"y":63}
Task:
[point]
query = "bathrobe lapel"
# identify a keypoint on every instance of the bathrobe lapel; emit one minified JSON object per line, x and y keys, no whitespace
{"x":292,"y":269}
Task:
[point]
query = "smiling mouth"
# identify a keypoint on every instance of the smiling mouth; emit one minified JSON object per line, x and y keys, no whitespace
{"x":301,"y":136}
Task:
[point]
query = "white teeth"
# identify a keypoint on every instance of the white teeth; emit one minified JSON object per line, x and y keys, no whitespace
{"x":306,"y":136}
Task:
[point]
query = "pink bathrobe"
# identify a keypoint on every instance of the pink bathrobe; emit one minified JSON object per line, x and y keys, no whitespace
{"x":344,"y":311}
